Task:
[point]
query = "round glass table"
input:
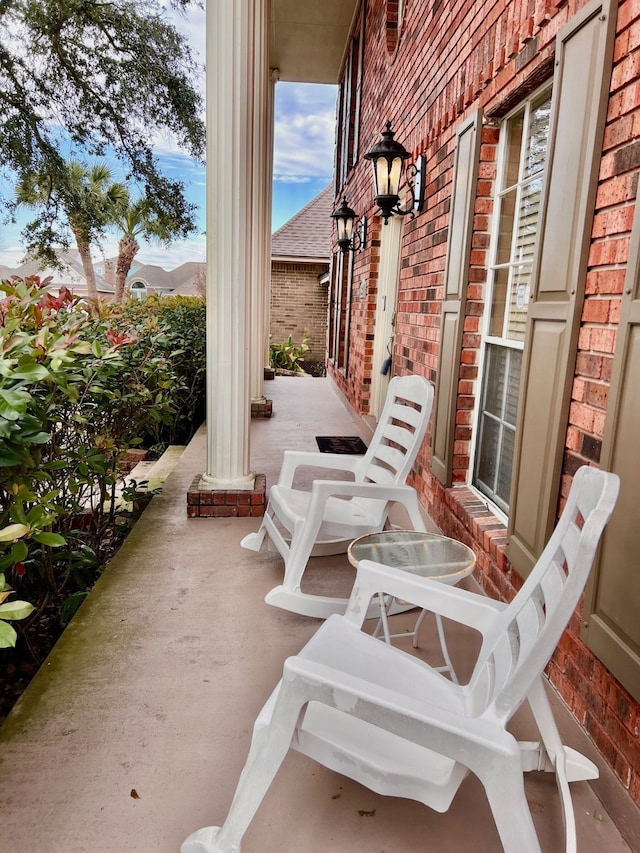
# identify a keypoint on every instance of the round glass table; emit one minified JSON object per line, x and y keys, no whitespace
{"x":428,"y":555}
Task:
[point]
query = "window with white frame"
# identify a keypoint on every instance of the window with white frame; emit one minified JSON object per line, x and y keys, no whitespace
{"x":139,"y":290}
{"x":524,"y":137}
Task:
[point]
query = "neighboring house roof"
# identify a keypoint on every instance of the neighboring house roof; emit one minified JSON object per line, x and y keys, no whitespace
{"x":307,"y":235}
{"x":71,"y":275}
{"x":182,"y":280}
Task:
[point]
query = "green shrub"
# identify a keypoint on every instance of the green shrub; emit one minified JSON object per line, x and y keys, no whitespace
{"x":286,"y":355}
{"x":181,"y":321}
{"x":79,"y":385}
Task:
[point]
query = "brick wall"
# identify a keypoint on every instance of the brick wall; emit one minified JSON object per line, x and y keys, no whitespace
{"x":449,"y":60}
{"x":299,"y":306}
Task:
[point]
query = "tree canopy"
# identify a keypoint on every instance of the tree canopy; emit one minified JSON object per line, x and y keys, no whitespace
{"x":91,"y":198}
{"x":78,"y":77}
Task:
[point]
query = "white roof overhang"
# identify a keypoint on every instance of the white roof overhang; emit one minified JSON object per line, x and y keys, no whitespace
{"x":308,"y":38}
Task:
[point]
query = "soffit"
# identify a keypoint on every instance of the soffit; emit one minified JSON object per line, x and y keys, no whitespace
{"x":308,"y":38}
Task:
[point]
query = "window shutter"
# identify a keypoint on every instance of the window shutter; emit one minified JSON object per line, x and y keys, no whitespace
{"x":356,"y":118}
{"x":581,"y":85}
{"x":346,"y":116}
{"x":465,"y":175}
{"x":611,"y":627}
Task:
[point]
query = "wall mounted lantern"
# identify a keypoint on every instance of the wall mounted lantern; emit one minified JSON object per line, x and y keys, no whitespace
{"x":352,"y":237}
{"x":387,"y":158}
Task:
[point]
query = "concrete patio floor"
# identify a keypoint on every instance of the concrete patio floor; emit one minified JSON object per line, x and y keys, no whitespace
{"x":134,"y":732}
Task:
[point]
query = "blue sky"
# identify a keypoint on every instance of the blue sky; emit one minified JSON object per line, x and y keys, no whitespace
{"x":303,"y":164}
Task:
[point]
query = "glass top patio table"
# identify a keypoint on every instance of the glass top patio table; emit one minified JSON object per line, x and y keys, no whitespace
{"x":429,"y":555}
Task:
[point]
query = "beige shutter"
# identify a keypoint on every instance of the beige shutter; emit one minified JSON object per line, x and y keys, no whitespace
{"x":356,"y":118}
{"x":465,"y":175}
{"x":581,"y":85}
{"x":611,"y":627}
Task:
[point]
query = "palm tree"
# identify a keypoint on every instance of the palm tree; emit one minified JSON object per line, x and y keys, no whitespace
{"x":135,"y":219}
{"x":87,"y":195}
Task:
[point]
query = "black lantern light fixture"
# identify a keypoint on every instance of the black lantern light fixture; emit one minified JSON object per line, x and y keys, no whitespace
{"x":352,"y":237}
{"x":387,"y":158}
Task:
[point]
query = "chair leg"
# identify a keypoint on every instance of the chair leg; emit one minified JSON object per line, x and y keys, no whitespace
{"x":302,"y":541}
{"x":269,"y":746}
{"x":253,"y":541}
{"x":412,"y":506}
{"x":555,"y":749}
{"x":288,"y":595}
{"x":504,"y":786}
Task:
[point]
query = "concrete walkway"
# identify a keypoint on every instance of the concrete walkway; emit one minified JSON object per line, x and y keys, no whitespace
{"x":133,"y":733}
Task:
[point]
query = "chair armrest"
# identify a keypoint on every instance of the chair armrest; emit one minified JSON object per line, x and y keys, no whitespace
{"x":293,"y":459}
{"x":467,"y":608}
{"x":322,"y":490}
{"x":349,"y":488}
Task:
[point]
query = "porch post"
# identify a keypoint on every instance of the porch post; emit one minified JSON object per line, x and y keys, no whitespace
{"x":271,"y":97}
{"x":232,"y":39}
{"x":262,"y":177}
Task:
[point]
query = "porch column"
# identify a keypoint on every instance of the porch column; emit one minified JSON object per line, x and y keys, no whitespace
{"x":262,"y":178}
{"x":232,"y":38}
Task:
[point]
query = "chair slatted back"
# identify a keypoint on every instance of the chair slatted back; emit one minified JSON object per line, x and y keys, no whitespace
{"x":400,"y":431}
{"x":525,"y":636}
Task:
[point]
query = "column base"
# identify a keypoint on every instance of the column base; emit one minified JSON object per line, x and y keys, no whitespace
{"x":261,"y":409}
{"x":205,"y":502}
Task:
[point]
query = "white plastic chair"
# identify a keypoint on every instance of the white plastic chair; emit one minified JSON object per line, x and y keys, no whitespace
{"x":301,"y":524}
{"x":386,"y":719}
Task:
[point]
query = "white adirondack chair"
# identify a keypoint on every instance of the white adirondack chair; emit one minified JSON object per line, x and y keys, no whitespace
{"x":301,"y":524}
{"x":386,"y":719}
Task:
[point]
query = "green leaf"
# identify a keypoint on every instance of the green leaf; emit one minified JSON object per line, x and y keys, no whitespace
{"x":13,"y":404}
{"x":54,"y":540}
{"x":15,"y":610}
{"x":13,"y":532}
{"x":19,"y":551}
{"x":33,"y":372}
{"x":8,"y":458}
{"x":8,"y":636}
{"x":36,"y":437}
{"x":17,"y":513}
{"x":71,"y":605}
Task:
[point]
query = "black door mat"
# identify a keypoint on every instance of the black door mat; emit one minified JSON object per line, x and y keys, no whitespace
{"x":341,"y":444}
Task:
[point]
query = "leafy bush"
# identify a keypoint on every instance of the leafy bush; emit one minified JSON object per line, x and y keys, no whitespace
{"x":286,"y":355}
{"x":10,"y":611}
{"x":79,"y":385}
{"x":182,"y":322}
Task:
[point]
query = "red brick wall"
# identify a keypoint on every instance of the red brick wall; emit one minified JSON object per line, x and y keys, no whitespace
{"x":299,"y":306}
{"x":450,"y":59}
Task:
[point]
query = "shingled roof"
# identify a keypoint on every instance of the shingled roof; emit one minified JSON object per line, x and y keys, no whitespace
{"x":307,"y":235}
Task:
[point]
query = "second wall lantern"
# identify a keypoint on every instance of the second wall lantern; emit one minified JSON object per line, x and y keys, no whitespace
{"x":351,"y":236}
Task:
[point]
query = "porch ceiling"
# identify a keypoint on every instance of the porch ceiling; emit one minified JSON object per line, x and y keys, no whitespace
{"x":308,"y":38}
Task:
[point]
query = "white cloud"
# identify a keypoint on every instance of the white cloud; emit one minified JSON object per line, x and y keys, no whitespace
{"x":294,"y":179}
{"x":304,"y":132}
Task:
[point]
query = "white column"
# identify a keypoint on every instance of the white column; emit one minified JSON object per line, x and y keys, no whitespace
{"x":262,"y":179}
{"x":230,"y":113}
{"x":266,"y":317}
